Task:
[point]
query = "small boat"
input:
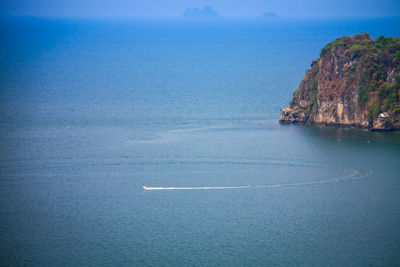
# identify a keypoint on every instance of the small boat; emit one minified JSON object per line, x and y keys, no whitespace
{"x":146,"y":187}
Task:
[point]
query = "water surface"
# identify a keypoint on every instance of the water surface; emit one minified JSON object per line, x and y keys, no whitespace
{"x":93,"y":110}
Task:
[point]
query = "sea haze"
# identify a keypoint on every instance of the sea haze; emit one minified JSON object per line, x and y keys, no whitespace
{"x":92,"y":110}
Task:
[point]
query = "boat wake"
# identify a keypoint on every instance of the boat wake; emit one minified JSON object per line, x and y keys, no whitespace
{"x":356,"y":175}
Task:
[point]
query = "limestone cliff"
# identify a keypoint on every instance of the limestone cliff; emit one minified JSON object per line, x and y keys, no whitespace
{"x":355,"y":82}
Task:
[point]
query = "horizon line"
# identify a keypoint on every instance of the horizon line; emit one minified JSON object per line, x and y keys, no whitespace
{"x":180,"y":17}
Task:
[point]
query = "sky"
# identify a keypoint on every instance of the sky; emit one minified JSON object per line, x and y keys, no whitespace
{"x":174,"y":8}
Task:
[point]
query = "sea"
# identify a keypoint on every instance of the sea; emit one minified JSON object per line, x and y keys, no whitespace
{"x":93,"y":110}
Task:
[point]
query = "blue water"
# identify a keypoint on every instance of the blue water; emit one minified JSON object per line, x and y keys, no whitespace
{"x":92,"y":110}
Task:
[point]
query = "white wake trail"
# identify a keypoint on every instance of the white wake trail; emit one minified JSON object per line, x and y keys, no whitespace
{"x":196,"y":187}
{"x":357,"y":175}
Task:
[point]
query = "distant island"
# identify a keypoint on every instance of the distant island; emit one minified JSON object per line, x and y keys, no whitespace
{"x":355,"y":82}
{"x":270,"y":15}
{"x":196,"y":13}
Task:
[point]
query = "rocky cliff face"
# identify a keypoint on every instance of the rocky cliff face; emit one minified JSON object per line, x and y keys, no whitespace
{"x":355,"y":82}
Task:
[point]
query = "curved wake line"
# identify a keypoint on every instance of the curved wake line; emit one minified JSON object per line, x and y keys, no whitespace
{"x":358,"y":175}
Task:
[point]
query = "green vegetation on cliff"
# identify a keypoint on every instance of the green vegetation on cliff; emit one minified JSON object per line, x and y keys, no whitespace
{"x":379,"y":90}
{"x":354,"y":80}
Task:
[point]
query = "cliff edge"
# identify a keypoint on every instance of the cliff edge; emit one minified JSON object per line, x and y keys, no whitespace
{"x":355,"y":82}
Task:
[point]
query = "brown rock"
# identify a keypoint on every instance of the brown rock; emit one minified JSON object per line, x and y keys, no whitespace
{"x":329,"y":92}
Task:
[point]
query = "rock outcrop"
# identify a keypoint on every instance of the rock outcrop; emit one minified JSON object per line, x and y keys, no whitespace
{"x":205,"y":13}
{"x":355,"y":82}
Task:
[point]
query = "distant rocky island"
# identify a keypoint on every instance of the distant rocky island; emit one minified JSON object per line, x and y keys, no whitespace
{"x":196,"y":13}
{"x":355,"y":82}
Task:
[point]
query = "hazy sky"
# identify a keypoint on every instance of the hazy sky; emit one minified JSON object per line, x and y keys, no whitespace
{"x":226,"y":8}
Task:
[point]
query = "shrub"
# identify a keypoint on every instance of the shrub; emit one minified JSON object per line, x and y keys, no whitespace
{"x":362,"y":96}
{"x":373,"y":110}
{"x":344,"y":41}
{"x":396,"y":55}
{"x":381,"y":42}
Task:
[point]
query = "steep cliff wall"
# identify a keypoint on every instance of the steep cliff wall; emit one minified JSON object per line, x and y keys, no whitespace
{"x":355,"y":82}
